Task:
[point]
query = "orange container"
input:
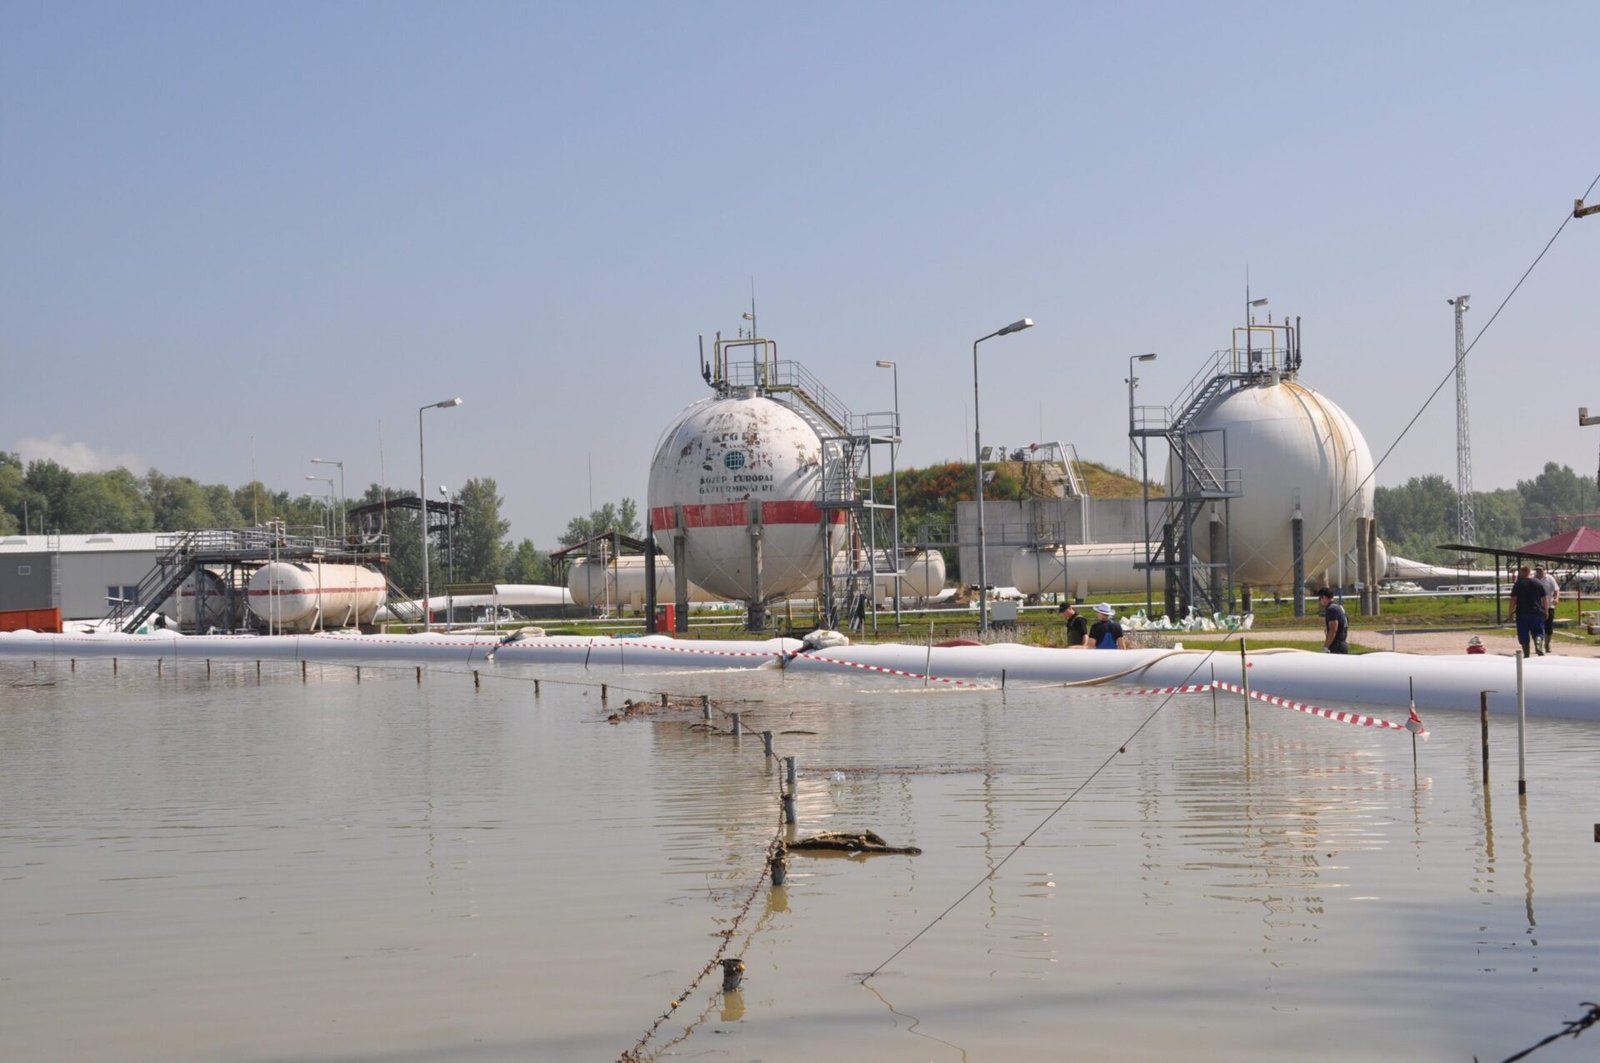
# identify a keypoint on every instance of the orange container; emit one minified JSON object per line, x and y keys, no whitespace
{"x":31,"y":619}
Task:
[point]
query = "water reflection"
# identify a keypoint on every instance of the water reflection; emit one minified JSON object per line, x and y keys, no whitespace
{"x":424,"y":870}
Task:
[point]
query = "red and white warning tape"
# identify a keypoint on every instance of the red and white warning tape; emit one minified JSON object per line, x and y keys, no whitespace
{"x":1192,"y":688}
{"x":1357,"y":718}
{"x":891,"y":671}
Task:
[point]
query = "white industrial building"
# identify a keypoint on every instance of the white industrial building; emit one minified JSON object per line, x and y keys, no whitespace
{"x":82,"y":575}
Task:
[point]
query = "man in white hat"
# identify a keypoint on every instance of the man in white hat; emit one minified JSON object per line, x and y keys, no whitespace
{"x":1106,"y":633}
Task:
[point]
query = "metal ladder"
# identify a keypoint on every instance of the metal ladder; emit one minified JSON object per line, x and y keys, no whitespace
{"x":171,"y":569}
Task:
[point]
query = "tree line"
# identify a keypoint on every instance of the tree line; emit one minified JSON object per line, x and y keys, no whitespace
{"x":43,"y":496}
{"x":1414,"y":518}
{"x":1420,"y":515}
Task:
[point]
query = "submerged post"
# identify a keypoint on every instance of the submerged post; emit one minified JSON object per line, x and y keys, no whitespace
{"x":738,"y":725}
{"x":1522,"y":731}
{"x":780,"y":866}
{"x":788,"y":808}
{"x":732,"y":974}
{"x":1483,"y":721}
{"x":766,"y":742}
{"x":788,"y":770}
{"x":1411,"y":724}
{"x":1244,"y":680}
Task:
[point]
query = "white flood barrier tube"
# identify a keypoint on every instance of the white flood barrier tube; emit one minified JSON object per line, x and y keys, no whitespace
{"x":1555,"y":686}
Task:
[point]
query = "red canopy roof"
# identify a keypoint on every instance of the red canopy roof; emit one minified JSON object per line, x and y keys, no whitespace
{"x":1576,"y":541}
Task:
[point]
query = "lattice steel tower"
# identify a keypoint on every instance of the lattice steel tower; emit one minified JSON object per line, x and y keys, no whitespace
{"x":1466,"y":520}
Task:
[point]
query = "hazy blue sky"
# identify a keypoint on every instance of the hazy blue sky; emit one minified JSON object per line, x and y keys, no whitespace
{"x":281,"y":228}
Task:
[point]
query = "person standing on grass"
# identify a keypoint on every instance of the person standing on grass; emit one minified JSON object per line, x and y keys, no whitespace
{"x":1335,"y":624}
{"x":1552,"y":591}
{"x":1077,"y":626}
{"x":1528,"y":603}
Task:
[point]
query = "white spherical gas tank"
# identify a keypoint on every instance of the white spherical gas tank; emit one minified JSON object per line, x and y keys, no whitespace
{"x":1286,"y":440}
{"x":727,"y":464}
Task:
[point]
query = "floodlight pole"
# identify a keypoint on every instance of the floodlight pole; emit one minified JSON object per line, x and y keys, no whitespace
{"x":422,"y":502}
{"x":977,"y":461}
{"x":343,"y":527}
{"x":894,"y":490}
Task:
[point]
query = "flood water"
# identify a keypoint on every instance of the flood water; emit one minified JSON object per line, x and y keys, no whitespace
{"x":218,"y":867}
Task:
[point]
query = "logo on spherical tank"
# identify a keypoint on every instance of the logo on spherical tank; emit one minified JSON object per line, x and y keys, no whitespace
{"x":734,"y":488}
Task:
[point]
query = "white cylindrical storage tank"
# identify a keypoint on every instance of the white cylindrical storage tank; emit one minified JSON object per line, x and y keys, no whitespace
{"x":201,"y":603}
{"x":307,"y":595}
{"x":922,"y":576}
{"x":735,"y":471}
{"x":1289,"y":444}
{"x":1081,"y":570}
{"x":620,"y":583}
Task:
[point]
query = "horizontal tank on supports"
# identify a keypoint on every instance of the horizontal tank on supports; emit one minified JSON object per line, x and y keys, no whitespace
{"x":739,"y":477}
{"x":922,"y":575}
{"x":1080,"y":570}
{"x":205,"y":602}
{"x":308,"y":595}
{"x":620,"y":582}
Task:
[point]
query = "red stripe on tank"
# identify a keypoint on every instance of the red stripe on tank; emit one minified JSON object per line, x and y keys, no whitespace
{"x":737,"y":515}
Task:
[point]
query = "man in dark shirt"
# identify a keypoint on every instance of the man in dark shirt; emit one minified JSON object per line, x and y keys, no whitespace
{"x":1336,"y":625}
{"x":1107,"y":634}
{"x":1528,"y":597}
{"x":1077,"y":626}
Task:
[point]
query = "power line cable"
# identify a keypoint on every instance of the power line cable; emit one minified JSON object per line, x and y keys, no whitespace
{"x":1212,"y":652}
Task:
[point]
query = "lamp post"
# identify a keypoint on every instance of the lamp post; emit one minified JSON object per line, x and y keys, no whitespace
{"x":894,"y":484}
{"x":329,"y":481}
{"x":342,"y":495}
{"x":1133,"y":450}
{"x":422,"y":503}
{"x":977,"y":455}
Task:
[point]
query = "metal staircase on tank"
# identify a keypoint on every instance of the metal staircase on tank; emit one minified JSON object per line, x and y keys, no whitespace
{"x":847,"y":442}
{"x":172,"y":567}
{"x":1203,"y":482}
{"x":234,"y":554}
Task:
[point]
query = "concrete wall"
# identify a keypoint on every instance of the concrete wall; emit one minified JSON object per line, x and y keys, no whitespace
{"x":1042,"y":522}
{"x":25,"y":581}
{"x":84,"y":579}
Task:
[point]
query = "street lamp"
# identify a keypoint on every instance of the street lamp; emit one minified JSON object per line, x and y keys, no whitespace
{"x":1133,"y":450}
{"x":329,"y":481}
{"x":422,"y":503}
{"x":894,"y":485}
{"x":977,"y":455}
{"x":342,"y":495}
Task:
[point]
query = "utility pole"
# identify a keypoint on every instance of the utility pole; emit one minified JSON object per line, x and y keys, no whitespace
{"x":1466,"y":518}
{"x":1585,"y":421}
